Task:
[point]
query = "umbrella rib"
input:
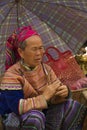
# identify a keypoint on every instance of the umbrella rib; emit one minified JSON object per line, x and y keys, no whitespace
{"x":17,"y":16}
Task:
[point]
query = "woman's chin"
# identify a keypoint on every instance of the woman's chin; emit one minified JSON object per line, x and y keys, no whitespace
{"x":36,"y":64}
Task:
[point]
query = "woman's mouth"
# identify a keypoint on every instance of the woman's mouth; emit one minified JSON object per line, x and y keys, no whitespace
{"x":38,"y":60}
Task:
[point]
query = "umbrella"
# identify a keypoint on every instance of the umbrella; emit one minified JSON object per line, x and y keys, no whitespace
{"x":60,"y":23}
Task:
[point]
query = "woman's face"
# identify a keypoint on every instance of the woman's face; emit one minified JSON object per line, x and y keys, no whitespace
{"x":33,"y":52}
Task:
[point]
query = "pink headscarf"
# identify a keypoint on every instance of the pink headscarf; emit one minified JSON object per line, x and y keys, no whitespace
{"x":20,"y":35}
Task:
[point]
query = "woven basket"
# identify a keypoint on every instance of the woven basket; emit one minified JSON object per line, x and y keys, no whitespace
{"x":79,"y":96}
{"x":64,"y":65}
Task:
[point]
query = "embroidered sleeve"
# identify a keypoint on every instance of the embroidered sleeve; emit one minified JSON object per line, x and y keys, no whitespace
{"x":11,"y":82}
{"x":38,"y":102}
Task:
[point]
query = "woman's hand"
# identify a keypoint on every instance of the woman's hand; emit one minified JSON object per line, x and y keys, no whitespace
{"x":62,"y":91}
{"x":60,"y":95}
{"x":51,"y":90}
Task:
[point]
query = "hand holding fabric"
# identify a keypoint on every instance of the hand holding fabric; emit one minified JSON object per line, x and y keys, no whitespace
{"x":60,"y":95}
{"x":62,"y":91}
{"x":51,"y":90}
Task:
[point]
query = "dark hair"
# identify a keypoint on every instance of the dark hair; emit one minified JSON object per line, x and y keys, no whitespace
{"x":22,"y":45}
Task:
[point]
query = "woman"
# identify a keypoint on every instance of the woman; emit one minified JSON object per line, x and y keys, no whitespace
{"x":30,"y":90}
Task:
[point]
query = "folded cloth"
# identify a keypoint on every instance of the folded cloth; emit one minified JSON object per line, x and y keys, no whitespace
{"x":12,"y":120}
{"x":81,"y":83}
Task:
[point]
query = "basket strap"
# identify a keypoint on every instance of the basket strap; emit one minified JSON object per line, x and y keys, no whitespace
{"x":54,"y":48}
{"x":50,"y":58}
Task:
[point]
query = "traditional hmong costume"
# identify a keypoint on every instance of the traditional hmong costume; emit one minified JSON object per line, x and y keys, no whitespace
{"x":22,"y":96}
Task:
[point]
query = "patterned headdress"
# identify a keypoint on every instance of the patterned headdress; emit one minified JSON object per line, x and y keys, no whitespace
{"x":20,"y":35}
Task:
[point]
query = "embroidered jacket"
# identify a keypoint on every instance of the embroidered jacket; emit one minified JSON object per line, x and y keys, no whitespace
{"x":22,"y":90}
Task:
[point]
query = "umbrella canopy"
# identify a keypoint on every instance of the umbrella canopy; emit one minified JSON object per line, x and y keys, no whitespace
{"x":60,"y":23}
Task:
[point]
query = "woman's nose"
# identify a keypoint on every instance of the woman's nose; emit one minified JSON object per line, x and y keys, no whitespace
{"x":39,"y":51}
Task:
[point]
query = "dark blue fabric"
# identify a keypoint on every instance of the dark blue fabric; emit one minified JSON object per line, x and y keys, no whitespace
{"x":9,"y":101}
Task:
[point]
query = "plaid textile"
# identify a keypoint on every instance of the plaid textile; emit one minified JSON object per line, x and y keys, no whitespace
{"x":32,"y":120}
{"x":12,"y":120}
{"x":68,"y":116}
{"x":64,"y":27}
{"x":58,"y":117}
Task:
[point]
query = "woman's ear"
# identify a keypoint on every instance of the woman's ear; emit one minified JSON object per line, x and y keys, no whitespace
{"x":20,"y":52}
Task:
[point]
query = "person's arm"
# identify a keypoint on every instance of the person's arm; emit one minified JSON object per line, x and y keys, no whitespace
{"x":40,"y":101}
{"x":12,"y":98}
{"x":62,"y":93}
{"x":12,"y":89}
{"x":62,"y":90}
{"x":16,"y":102}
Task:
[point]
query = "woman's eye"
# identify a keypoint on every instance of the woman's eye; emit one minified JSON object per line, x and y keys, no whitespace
{"x":35,"y":49}
{"x":41,"y":47}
